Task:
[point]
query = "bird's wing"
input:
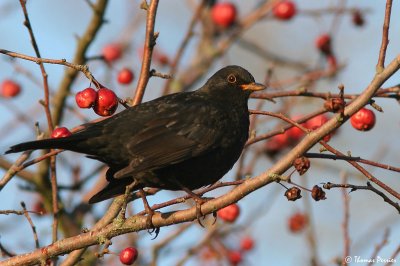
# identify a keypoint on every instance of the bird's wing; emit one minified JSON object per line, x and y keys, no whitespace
{"x":172,"y":135}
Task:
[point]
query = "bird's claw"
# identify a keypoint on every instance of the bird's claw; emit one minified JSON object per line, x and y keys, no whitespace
{"x":199,"y":214}
{"x":149,"y":224}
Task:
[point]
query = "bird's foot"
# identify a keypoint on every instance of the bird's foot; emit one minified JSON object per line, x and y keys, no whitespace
{"x":150,"y":212}
{"x":149,"y":224}
{"x":199,"y":201}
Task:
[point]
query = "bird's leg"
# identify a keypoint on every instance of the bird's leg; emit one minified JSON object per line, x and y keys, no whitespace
{"x":150,"y":213}
{"x":199,"y":201}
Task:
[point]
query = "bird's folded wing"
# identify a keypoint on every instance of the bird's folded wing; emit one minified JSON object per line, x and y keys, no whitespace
{"x":173,"y":137}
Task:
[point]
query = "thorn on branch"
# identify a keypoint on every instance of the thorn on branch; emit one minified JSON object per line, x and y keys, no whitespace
{"x":154,"y":73}
{"x":376,"y":106}
{"x":144,"y":5}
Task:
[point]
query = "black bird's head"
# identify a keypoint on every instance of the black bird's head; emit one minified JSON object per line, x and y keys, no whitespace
{"x":232,"y":81}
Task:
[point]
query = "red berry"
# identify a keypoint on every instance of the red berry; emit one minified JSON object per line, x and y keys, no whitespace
{"x":86,"y":98}
{"x":162,"y":59}
{"x":60,"y":132}
{"x":10,"y":88}
{"x":276,"y":143}
{"x":223,"y":14}
{"x":316,"y":122}
{"x":323,"y":43}
{"x":247,"y":243}
{"x":125,"y":76}
{"x":363,"y":120}
{"x":112,"y":52}
{"x":295,"y":133}
{"x":128,"y":255}
{"x":284,"y":10}
{"x":235,"y":257}
{"x":297,"y":222}
{"x":229,"y":213}
{"x":39,"y":207}
{"x":106,"y":102}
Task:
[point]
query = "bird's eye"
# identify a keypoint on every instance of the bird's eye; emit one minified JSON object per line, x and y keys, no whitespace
{"x":231,"y":78}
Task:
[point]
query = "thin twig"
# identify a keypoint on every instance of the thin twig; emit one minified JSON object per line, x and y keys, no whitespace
{"x":82,"y":68}
{"x":392,"y":258}
{"x":149,"y":44}
{"x":182,"y":47}
{"x":367,"y":187}
{"x":385,"y":37}
{"x":351,"y":158}
{"x":346,"y":219}
{"x":367,"y":174}
{"x":28,"y":217}
{"x":379,"y":246}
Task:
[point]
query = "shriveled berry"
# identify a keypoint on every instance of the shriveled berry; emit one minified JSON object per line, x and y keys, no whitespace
{"x":293,"y":193}
{"x":230,"y":213}
{"x":223,"y":14}
{"x":112,"y":52}
{"x":128,"y":255}
{"x":335,"y":104}
{"x":297,"y":222}
{"x":363,"y":120}
{"x":323,"y":43}
{"x":106,"y":102}
{"x":284,"y":10}
{"x":60,"y":132}
{"x":247,"y":243}
{"x":235,"y":257}
{"x":86,"y":98}
{"x":358,"y":18}
{"x":125,"y":76}
{"x":10,"y":88}
{"x":318,"y":193}
{"x":301,"y":164}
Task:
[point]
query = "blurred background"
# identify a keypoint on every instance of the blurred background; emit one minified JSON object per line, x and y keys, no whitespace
{"x":283,"y":52}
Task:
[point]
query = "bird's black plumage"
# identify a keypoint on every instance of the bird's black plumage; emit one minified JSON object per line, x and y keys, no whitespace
{"x":182,"y":140}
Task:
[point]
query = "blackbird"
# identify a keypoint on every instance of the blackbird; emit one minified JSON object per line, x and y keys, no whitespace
{"x":181,"y":141}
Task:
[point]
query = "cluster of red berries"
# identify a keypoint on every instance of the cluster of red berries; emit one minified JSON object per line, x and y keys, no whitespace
{"x":104,"y":101}
{"x":224,"y":14}
{"x":292,"y":136}
{"x":111,"y":53}
{"x":9,"y":88}
{"x":236,"y":256}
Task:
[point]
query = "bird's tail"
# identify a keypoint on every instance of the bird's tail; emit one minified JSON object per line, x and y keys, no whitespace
{"x":57,"y":143}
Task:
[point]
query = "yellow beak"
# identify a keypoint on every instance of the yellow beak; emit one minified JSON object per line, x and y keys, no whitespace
{"x":253,"y":87}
